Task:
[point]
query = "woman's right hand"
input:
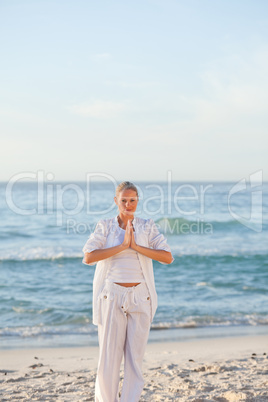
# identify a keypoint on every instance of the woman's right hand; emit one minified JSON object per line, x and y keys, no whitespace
{"x":128,"y":234}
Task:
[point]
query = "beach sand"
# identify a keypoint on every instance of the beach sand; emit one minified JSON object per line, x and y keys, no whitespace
{"x":219,"y":369}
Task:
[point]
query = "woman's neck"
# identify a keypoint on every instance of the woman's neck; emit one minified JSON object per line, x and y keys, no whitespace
{"x":123,"y":220}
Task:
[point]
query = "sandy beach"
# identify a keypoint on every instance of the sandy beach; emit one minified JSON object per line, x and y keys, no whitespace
{"x":220,"y":369}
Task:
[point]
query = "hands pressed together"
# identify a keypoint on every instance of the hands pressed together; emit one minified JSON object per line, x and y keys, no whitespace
{"x":128,"y":242}
{"x":129,"y":239}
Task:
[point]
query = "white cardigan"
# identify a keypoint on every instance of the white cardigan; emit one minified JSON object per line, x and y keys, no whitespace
{"x":146,"y":234}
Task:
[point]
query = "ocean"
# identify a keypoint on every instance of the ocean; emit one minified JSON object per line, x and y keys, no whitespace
{"x":216,"y":286}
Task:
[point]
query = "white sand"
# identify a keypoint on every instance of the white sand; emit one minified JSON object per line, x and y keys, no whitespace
{"x":223,"y":369}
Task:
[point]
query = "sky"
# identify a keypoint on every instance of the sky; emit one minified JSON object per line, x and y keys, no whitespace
{"x":135,"y":90}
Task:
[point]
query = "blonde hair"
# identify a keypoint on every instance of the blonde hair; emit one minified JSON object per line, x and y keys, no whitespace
{"x":126,"y":185}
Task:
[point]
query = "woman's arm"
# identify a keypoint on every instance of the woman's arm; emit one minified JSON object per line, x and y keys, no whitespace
{"x":158,"y":255}
{"x":102,"y":254}
{"x":154,"y":254}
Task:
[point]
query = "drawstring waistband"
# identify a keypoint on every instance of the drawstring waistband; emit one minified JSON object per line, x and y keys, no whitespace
{"x":128,"y":295}
{"x":124,"y":300}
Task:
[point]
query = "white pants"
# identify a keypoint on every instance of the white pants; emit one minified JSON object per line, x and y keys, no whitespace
{"x":125,"y":324}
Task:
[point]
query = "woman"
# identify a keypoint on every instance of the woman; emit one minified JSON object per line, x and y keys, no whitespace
{"x":124,"y":295}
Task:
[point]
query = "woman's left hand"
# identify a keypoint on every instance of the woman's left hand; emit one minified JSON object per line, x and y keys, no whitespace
{"x":132,"y":241}
{"x":157,"y":255}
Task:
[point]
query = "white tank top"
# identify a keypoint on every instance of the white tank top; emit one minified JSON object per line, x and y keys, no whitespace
{"x":125,"y":266}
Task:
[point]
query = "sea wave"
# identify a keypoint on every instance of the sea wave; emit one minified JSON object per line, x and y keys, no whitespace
{"x":14,"y":234}
{"x":39,"y":254}
{"x":190,"y":250}
{"x":23,"y":310}
{"x":40,"y":330}
{"x":181,"y":226}
{"x":89,"y":329}
{"x":212,"y":321}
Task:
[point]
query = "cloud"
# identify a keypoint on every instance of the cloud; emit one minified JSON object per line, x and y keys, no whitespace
{"x":101,"y":56}
{"x":99,"y":109}
{"x":234,"y":99}
{"x":125,"y":84}
{"x":229,"y":115}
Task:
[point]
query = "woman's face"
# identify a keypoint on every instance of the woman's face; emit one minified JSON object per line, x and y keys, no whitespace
{"x":127,"y":202}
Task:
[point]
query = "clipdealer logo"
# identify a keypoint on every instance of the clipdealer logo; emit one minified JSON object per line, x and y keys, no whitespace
{"x":174,"y":203}
{"x":252,"y":218}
